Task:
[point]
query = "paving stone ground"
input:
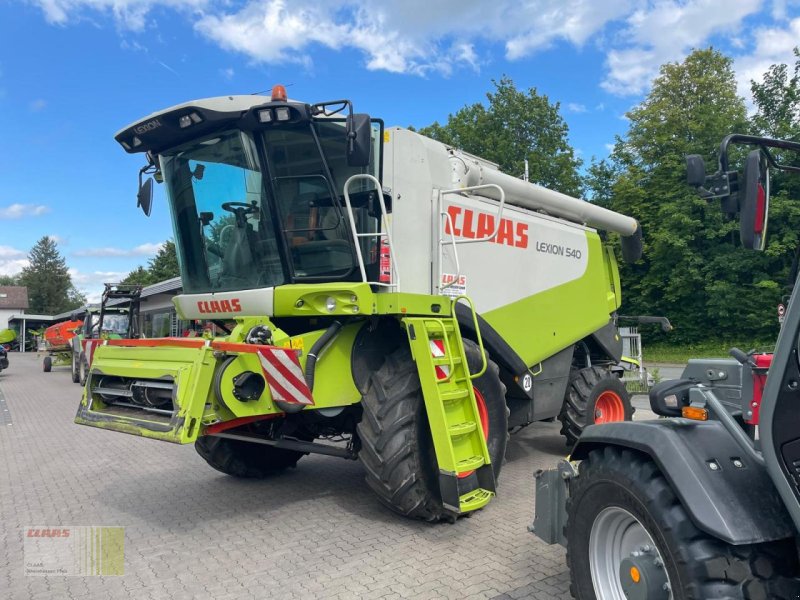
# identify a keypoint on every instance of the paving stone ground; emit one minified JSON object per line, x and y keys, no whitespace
{"x":194,"y":533}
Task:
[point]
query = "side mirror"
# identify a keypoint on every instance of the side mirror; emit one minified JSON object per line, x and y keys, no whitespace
{"x":359,"y":140}
{"x":144,"y":199}
{"x":754,"y":202}
{"x":695,"y":170}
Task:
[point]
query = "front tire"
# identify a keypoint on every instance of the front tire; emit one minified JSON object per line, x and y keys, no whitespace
{"x":396,"y":445}
{"x":245,"y":459}
{"x":47,"y":364}
{"x":622,"y":515}
{"x":594,"y":395}
{"x":76,"y":376}
{"x":83,"y":369}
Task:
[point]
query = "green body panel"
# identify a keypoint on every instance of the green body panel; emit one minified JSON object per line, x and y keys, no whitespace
{"x":539,"y":326}
{"x":190,"y":370}
{"x":7,"y":336}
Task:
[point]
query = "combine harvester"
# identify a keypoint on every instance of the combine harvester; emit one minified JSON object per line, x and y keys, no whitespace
{"x":380,"y":288}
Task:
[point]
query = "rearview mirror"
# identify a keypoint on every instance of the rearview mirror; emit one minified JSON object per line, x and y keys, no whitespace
{"x":359,"y":140}
{"x":144,"y":199}
{"x":695,"y":170}
{"x":754,"y":202}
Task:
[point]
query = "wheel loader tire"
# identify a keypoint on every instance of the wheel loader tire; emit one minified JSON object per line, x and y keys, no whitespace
{"x":76,"y":376}
{"x":83,"y":369}
{"x":396,"y":445}
{"x":245,"y":459}
{"x":620,"y":506}
{"x":594,"y":395}
{"x":47,"y":364}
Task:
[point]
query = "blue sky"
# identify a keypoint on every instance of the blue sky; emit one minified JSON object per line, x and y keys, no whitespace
{"x":73,"y":72}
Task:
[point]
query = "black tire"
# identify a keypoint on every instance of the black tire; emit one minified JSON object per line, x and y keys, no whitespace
{"x":47,"y":364}
{"x":76,"y":376}
{"x":396,"y":445}
{"x":585,"y":387}
{"x":245,"y":459}
{"x":83,"y":369}
{"x":698,"y":565}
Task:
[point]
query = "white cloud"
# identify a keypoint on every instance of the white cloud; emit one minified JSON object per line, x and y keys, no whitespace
{"x":140,"y":250}
{"x":17,"y":211}
{"x":422,"y":37}
{"x":773,"y":45}
{"x":666,"y":31}
{"x":37,"y":105}
{"x":12,"y":261}
{"x":91,"y":283}
{"x":576,"y":108}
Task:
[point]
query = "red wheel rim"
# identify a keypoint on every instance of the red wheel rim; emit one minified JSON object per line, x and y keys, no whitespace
{"x":609,"y":408}
{"x":483,"y":415}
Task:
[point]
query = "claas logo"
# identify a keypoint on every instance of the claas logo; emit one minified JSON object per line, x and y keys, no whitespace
{"x":473,"y":224}
{"x":219,"y":306}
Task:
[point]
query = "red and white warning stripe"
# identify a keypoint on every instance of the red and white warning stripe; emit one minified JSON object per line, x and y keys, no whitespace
{"x":284,"y":375}
{"x":437,"y":351}
{"x":89,"y":347}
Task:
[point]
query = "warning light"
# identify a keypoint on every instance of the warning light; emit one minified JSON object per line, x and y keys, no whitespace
{"x":279,"y":93}
{"x":636,"y":576}
{"x":695,"y":413}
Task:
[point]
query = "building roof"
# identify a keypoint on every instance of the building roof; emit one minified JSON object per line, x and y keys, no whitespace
{"x":13,"y":296}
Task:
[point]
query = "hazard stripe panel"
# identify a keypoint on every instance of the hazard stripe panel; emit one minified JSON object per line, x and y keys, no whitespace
{"x":284,"y":375}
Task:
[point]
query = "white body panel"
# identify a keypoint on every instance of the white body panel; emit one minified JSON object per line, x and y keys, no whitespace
{"x":497,"y":272}
{"x":225,"y":305}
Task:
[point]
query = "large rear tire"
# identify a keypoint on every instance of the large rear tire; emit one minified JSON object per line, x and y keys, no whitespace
{"x":627,"y":528}
{"x":594,"y":395}
{"x":396,"y":445}
{"x":245,"y":459}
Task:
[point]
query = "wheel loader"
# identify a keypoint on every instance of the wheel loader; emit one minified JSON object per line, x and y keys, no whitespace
{"x":703,"y":502}
{"x":386,"y":298}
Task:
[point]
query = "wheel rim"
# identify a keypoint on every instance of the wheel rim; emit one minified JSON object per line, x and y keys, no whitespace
{"x":618,"y":536}
{"x":609,"y":408}
{"x":483,"y":415}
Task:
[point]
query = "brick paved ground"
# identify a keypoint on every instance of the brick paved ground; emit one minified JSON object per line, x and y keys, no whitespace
{"x":191,"y":532}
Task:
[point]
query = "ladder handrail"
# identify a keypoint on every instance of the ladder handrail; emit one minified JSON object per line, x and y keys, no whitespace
{"x":453,"y":241}
{"x":477,"y":334}
{"x":395,"y":273}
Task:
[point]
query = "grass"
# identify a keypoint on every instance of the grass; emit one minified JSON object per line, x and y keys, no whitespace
{"x":679,"y":354}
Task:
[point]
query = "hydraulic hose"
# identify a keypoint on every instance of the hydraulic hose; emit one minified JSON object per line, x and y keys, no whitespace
{"x":316,"y":349}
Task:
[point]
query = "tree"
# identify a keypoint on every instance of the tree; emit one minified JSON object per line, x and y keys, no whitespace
{"x":164,"y":265}
{"x":694,"y":271}
{"x":514,"y":126}
{"x":50,"y":288}
{"x":9,"y":280}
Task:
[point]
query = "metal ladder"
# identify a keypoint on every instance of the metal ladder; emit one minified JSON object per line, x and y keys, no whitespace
{"x":453,"y":417}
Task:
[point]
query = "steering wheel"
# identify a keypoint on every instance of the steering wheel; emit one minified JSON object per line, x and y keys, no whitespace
{"x":241,"y":210}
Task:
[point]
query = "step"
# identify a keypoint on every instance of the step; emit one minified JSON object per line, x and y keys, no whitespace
{"x":469,"y":464}
{"x":459,"y":429}
{"x":453,"y":395}
{"x":446,"y":361}
{"x":474,"y":500}
{"x":435,"y":328}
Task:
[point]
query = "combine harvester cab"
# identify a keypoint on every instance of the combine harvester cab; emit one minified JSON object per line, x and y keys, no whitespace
{"x":386,"y":297}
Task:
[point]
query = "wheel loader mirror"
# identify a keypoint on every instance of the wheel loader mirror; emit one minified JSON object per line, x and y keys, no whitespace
{"x":359,"y":140}
{"x":695,"y":170}
{"x":144,"y":199}
{"x":754,"y":202}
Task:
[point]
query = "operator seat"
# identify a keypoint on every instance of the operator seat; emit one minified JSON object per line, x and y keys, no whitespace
{"x":237,"y":262}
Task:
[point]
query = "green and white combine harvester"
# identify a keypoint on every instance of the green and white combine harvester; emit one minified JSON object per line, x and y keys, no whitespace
{"x":388,"y":298}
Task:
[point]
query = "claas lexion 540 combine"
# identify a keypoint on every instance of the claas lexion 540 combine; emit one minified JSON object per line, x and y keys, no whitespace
{"x":387,"y":297}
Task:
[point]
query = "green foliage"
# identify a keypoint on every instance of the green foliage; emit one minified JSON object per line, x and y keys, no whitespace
{"x":694,"y":270}
{"x":50,"y":288}
{"x":514,"y":126}
{"x":9,"y":280}
{"x":164,"y":265}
